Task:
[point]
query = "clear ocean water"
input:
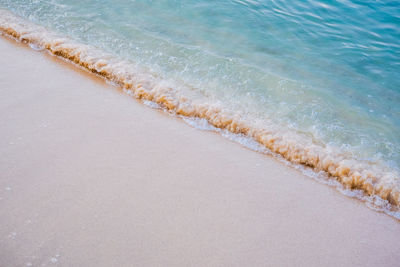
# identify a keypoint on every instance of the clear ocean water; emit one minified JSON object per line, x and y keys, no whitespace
{"x":318,"y":73}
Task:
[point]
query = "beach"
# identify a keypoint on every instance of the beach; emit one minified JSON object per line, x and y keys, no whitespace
{"x":92,"y":177}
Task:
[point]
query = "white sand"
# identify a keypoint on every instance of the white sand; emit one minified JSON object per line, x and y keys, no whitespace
{"x":91,"y":177}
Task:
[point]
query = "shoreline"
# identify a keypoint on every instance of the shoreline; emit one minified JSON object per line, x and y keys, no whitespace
{"x":91,"y":177}
{"x":377,"y":186}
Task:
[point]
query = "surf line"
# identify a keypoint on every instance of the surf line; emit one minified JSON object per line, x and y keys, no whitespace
{"x":350,"y":173}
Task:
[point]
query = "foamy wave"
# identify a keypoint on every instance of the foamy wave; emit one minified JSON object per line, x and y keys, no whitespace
{"x":372,"y":179}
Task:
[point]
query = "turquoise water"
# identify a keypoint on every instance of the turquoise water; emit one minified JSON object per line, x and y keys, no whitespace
{"x":326,"y":72}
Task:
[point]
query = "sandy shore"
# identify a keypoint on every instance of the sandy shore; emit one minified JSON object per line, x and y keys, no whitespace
{"x":91,"y":177}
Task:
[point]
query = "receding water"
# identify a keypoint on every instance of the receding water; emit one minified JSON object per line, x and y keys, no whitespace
{"x":325,"y":71}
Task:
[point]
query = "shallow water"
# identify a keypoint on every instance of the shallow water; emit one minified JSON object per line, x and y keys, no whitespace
{"x":320,"y":77}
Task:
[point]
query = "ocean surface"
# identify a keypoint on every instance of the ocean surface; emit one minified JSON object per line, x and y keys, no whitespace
{"x":315,"y":82}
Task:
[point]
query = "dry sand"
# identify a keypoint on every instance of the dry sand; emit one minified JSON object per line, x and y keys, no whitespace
{"x":91,"y":177}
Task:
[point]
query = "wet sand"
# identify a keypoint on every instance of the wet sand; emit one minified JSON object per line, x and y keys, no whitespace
{"x":91,"y":177}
